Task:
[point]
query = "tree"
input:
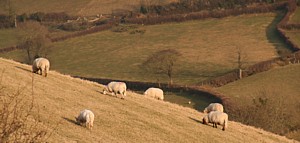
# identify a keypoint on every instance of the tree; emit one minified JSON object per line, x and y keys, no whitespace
{"x":241,"y":60}
{"x":163,"y":62}
{"x":35,"y":41}
{"x":20,"y":120}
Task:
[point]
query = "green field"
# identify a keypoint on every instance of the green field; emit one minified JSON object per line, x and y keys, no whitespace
{"x":294,"y":36}
{"x":283,"y":80}
{"x":295,"y":18}
{"x":9,"y":37}
{"x":208,"y":48}
{"x":281,"y":85}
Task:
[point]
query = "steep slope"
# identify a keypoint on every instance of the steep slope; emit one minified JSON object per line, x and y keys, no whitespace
{"x":136,"y":119}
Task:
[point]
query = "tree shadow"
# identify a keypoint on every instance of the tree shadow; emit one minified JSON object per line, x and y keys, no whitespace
{"x":274,"y":37}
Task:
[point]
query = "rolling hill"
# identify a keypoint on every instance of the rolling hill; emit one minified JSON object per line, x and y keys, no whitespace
{"x":208,"y":48}
{"x":136,"y":119}
{"x":279,"y":85}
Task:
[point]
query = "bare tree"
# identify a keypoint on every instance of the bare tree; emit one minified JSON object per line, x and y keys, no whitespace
{"x":35,"y":41}
{"x":163,"y":62}
{"x":19,"y":120}
{"x":241,"y":61}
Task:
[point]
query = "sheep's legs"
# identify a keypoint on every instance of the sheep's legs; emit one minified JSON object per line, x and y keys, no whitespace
{"x":215,"y":125}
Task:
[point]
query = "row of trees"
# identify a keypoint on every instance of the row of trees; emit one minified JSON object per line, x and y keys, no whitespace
{"x":183,"y":6}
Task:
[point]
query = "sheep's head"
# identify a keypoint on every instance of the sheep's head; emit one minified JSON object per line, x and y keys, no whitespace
{"x":205,"y":110}
{"x":77,"y":121}
{"x":105,"y":90}
{"x":145,"y":93}
{"x":205,"y":120}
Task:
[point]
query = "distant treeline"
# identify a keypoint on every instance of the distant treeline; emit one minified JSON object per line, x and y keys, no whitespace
{"x":95,"y":29}
{"x":206,"y":14}
{"x":186,"y":6}
{"x":7,"y":21}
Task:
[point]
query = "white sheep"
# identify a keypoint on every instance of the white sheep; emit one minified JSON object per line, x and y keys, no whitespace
{"x":115,"y":88}
{"x":216,"y":118}
{"x":156,"y":93}
{"x":40,"y":66}
{"x":86,"y":117}
{"x":214,"y":107}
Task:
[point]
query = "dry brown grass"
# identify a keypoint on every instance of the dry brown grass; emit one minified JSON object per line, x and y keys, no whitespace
{"x":77,"y":7}
{"x":135,"y":119}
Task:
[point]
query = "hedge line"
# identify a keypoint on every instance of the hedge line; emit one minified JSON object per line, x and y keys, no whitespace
{"x":291,"y":7}
{"x":204,"y":15}
{"x":102,"y":27}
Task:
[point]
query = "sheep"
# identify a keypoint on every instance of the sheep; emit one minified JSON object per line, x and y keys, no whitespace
{"x":155,"y":93}
{"x":85,"y":117}
{"x":213,"y":107}
{"x":216,"y":117}
{"x":115,"y":88}
{"x":41,"y":65}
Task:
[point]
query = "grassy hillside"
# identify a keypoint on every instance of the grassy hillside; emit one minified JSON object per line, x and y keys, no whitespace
{"x":208,"y":48}
{"x":9,"y":37}
{"x":135,"y":119}
{"x":278,"y":79}
{"x":75,"y":7}
{"x":296,"y":17}
{"x":294,"y":36}
{"x":280,"y":86}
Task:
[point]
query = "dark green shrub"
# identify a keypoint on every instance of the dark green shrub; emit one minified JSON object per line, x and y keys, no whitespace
{"x":74,"y":26}
{"x":38,"y":16}
{"x":22,"y":18}
{"x":143,"y":9}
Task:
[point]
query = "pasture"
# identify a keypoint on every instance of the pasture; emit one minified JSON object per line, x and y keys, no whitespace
{"x":208,"y":47}
{"x":77,"y":7}
{"x":9,"y":37}
{"x":280,"y":86}
{"x":59,"y":98}
{"x":294,"y":36}
{"x":295,"y":18}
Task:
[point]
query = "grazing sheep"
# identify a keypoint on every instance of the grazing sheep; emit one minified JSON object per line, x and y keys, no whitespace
{"x":41,"y":65}
{"x":85,"y":117}
{"x":155,"y":93}
{"x":216,"y":117}
{"x":115,"y":88}
{"x":214,"y":107}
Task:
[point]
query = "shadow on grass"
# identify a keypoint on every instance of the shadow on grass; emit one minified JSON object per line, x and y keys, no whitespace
{"x":196,"y":120}
{"x":70,"y":120}
{"x":27,"y":70}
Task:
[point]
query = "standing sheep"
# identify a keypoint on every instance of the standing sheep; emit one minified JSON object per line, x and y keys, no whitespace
{"x":214,"y":107}
{"x":216,"y":117}
{"x":156,"y":93}
{"x":40,"y":66}
{"x":85,"y":117}
{"x":115,"y":88}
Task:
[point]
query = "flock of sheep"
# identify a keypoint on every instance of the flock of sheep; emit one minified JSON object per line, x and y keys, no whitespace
{"x":214,"y":111}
